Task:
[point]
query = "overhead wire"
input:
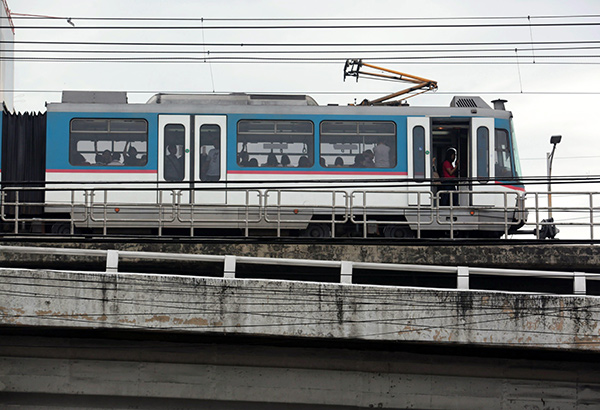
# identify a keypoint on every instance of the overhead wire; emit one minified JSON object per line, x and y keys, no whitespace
{"x":328,"y":44}
{"x":17,"y":16}
{"x":311,"y":27}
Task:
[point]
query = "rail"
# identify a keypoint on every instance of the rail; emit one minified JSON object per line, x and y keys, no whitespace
{"x":346,"y":269}
{"x":385,"y":211}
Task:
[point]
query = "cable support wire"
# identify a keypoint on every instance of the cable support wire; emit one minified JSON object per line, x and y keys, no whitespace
{"x":244,"y":59}
{"x":236,"y":44}
{"x":295,"y":61}
{"x":466,"y":92}
{"x":337,"y":51}
{"x":309,"y":27}
{"x":23,"y":16}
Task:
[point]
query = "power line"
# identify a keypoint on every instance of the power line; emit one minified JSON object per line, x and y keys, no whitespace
{"x":19,"y":16}
{"x":310,"y":27}
{"x":279,"y":92}
{"x":328,"y":51}
{"x":237,"y":44}
{"x":299,"y":59}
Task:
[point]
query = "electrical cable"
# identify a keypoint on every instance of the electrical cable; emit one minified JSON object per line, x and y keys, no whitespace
{"x":17,"y":16}
{"x":311,"y":27}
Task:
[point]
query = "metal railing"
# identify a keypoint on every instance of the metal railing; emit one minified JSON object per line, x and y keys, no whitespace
{"x":284,"y":209}
{"x":345,"y":269}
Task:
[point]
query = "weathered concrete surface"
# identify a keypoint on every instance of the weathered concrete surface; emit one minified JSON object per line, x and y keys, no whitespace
{"x":584,"y":258}
{"x":94,"y":373}
{"x":42,"y":298}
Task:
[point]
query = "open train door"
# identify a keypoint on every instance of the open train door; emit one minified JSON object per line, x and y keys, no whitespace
{"x":419,"y":160}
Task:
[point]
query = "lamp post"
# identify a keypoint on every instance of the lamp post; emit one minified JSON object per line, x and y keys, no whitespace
{"x":555,"y":139}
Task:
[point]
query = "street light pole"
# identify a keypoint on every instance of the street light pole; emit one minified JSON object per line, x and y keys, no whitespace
{"x":555,"y":139}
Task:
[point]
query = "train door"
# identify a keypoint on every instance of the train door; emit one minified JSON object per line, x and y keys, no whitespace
{"x":174,"y":159}
{"x":210,"y":171}
{"x":482,"y":170}
{"x":419,"y":159}
{"x":452,"y":135}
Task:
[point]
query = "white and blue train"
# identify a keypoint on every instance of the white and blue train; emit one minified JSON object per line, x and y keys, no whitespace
{"x":260,"y":162}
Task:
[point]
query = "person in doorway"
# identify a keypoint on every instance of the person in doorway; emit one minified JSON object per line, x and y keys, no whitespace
{"x":449,"y":175}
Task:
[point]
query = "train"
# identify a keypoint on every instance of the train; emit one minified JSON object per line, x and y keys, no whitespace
{"x":257,"y":164}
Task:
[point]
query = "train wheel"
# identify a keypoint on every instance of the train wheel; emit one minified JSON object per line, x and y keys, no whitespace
{"x":61,"y":228}
{"x":398,"y":231}
{"x":317,"y":231}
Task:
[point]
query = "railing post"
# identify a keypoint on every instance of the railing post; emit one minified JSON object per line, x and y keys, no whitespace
{"x":112,"y":261}
{"x":346,"y":272}
{"x":579,"y":284}
{"x":462,"y":280}
{"x":229,"y":267}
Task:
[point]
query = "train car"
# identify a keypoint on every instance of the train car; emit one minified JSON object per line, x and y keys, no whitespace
{"x":275,"y":162}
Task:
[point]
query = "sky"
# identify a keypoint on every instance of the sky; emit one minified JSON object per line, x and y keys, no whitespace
{"x":546,"y":99}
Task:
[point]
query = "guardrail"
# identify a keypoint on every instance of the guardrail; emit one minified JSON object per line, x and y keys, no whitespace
{"x":381,"y":210}
{"x":370,"y":211}
{"x":345,"y":268}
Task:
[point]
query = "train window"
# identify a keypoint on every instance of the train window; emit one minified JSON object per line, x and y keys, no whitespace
{"x":275,"y":144}
{"x":483,"y":143}
{"x":108,"y":142}
{"x":503,"y":162}
{"x":419,"y":152}
{"x":358,"y":144}
{"x":210,"y":159}
{"x":173,"y":150}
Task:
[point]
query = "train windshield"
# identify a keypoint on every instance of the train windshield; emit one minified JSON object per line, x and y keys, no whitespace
{"x":507,"y":157}
{"x":516,"y":159}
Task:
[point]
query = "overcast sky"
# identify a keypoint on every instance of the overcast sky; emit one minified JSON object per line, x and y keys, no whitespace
{"x":563,"y":109}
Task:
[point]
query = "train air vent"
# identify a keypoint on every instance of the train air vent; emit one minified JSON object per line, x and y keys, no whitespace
{"x":469,"y":102}
{"x":94,"y":97}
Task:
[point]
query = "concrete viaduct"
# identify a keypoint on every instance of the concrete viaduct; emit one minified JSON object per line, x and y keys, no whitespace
{"x":92,"y":332}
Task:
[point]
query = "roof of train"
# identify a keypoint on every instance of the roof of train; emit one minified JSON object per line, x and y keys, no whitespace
{"x":241,"y":103}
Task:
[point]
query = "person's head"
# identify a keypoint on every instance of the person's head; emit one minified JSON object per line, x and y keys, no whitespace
{"x":450,"y":155}
{"x":253,"y":162}
{"x":369,"y":154}
{"x":132,"y":152}
{"x":339,"y":162}
{"x":359,"y":160}
{"x":116,"y":156}
{"x":272,"y":160}
{"x":303,"y":162}
{"x":172,"y":149}
{"x":285,"y":160}
{"x":106,"y":156}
